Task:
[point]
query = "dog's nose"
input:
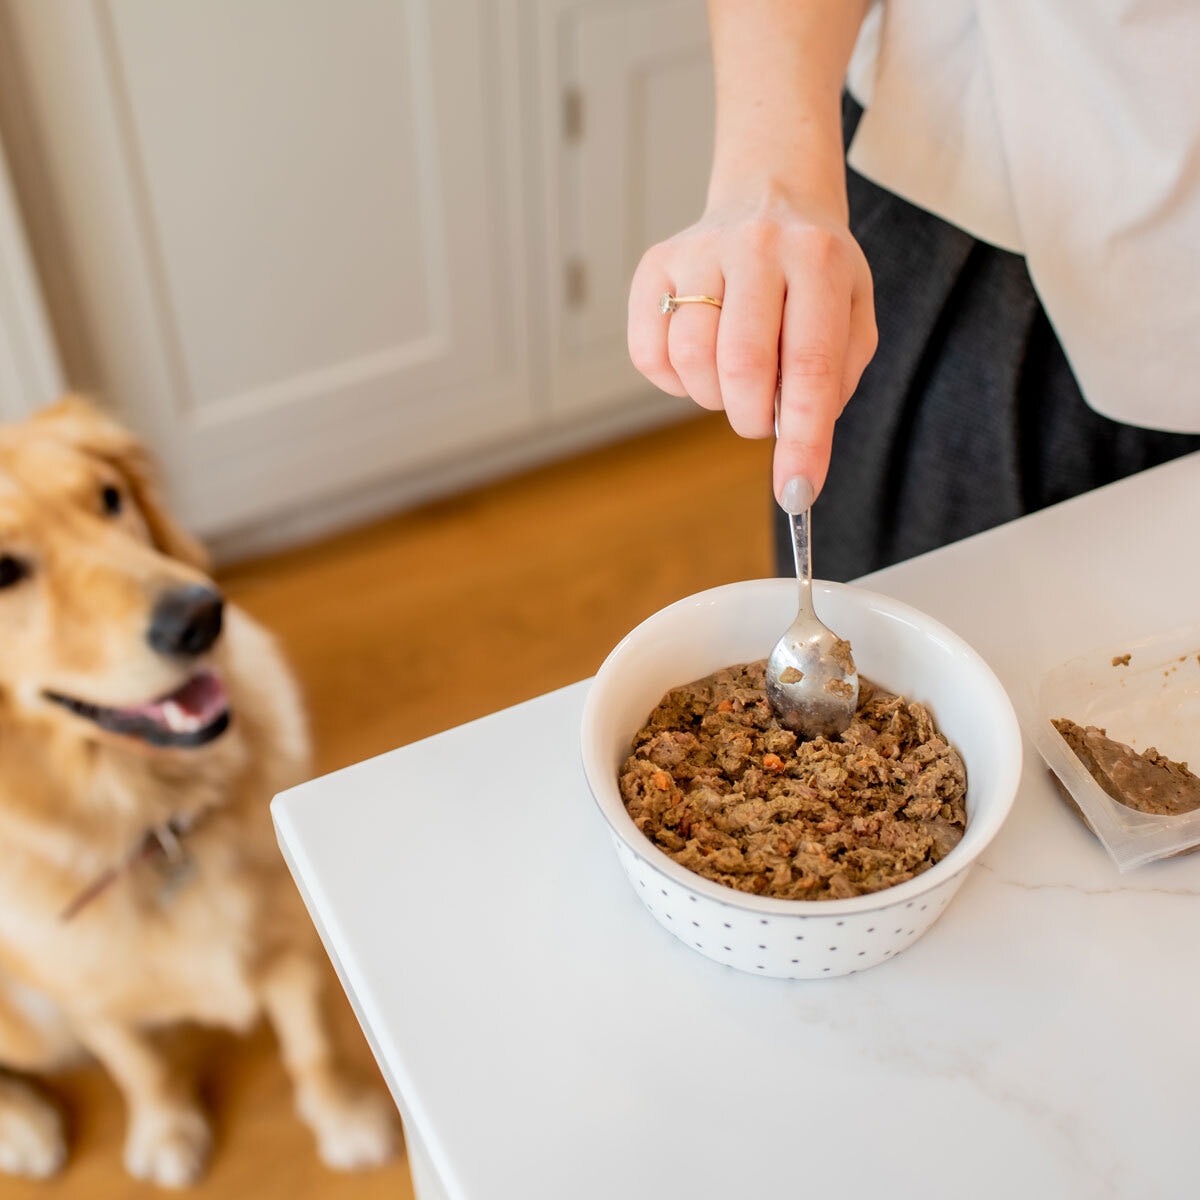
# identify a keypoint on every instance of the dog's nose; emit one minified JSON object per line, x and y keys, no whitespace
{"x":186,"y":621}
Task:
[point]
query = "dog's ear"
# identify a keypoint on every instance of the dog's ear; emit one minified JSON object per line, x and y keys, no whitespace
{"x":80,"y":423}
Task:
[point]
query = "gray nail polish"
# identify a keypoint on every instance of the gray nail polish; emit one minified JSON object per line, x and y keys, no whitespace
{"x":797,"y":495}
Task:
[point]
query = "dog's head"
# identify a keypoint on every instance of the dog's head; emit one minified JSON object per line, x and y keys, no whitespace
{"x":108,"y":619}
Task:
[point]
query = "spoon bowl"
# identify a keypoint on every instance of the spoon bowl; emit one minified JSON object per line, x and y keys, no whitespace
{"x":812,"y":684}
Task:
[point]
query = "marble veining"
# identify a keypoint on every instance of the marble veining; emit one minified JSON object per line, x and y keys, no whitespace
{"x":1124,"y":890}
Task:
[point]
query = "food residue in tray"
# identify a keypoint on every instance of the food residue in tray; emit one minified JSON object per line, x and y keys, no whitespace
{"x":1148,"y":782}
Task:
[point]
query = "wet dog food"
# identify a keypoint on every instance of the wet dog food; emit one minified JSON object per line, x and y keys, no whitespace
{"x":1149,"y":782}
{"x":719,"y":785}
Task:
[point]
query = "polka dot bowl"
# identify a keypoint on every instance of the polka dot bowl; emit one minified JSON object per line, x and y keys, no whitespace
{"x":899,"y":648}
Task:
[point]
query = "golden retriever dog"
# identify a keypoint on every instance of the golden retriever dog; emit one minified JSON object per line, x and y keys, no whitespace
{"x":144,"y":727}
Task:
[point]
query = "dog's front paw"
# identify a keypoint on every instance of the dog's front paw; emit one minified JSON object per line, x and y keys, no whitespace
{"x":32,"y":1142}
{"x":356,"y":1128}
{"x":168,"y":1146}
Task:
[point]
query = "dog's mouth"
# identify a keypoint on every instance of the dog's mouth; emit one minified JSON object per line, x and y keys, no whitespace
{"x":192,"y":715}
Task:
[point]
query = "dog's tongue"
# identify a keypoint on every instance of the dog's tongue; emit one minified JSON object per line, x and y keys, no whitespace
{"x":195,"y":705}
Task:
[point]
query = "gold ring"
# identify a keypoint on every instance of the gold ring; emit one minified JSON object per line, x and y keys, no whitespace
{"x":667,"y":303}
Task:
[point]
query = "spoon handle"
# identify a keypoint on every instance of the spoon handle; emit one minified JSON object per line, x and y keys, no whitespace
{"x":802,"y":548}
{"x":801,"y":540}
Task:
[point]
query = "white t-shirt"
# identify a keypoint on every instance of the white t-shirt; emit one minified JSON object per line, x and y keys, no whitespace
{"x":1067,"y":131}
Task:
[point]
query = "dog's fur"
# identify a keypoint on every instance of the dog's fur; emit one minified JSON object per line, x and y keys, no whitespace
{"x":222,"y":946}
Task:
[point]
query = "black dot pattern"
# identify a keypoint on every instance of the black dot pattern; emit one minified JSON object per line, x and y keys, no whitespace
{"x":787,"y":946}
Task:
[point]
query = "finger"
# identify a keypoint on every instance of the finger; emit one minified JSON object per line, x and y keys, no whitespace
{"x":748,"y":346}
{"x":692,"y":343}
{"x":647,"y":327}
{"x":863,"y":341}
{"x":815,"y":334}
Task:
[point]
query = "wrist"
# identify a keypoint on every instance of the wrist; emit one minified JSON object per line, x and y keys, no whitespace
{"x":748,"y":187}
{"x":794,"y":154}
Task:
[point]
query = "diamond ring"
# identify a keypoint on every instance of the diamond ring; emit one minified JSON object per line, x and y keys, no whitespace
{"x":667,"y":303}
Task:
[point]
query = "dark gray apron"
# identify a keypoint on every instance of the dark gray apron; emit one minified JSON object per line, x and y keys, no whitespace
{"x":968,"y":416}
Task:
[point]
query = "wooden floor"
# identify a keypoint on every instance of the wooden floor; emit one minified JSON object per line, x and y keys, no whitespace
{"x":419,"y":623}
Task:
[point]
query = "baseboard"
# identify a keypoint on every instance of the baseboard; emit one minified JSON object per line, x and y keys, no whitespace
{"x":329,"y":515}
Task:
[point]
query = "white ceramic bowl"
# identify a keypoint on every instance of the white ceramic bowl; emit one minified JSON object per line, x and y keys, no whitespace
{"x":896,"y":646}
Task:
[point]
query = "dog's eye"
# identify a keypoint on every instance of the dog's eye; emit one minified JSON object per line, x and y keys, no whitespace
{"x":12,"y":570}
{"x":110,"y":498}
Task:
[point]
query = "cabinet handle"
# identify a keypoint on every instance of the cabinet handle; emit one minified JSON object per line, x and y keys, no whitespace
{"x":575,"y":283}
{"x":572,"y":114}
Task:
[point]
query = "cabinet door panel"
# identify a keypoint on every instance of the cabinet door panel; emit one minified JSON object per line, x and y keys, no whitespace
{"x":30,"y":373}
{"x":293,"y":232}
{"x":634,"y":172}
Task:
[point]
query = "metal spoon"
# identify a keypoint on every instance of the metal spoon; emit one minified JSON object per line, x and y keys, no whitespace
{"x":812,"y":684}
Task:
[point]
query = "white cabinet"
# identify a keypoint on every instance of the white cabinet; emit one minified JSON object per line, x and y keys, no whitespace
{"x":316,"y":247}
{"x":292,"y":235}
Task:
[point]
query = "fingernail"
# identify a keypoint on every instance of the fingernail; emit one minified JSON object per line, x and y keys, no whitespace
{"x":797,"y":495}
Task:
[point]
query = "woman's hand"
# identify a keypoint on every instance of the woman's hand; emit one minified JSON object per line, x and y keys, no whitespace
{"x":796,"y":305}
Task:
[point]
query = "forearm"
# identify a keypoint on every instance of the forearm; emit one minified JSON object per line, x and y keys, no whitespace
{"x":779,"y":66}
{"x":796,"y":318}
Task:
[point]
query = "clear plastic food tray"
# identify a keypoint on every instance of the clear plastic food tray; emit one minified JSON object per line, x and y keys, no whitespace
{"x":1152,"y":701}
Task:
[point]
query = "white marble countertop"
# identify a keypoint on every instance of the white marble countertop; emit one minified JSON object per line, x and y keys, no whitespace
{"x":546,"y":1040}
